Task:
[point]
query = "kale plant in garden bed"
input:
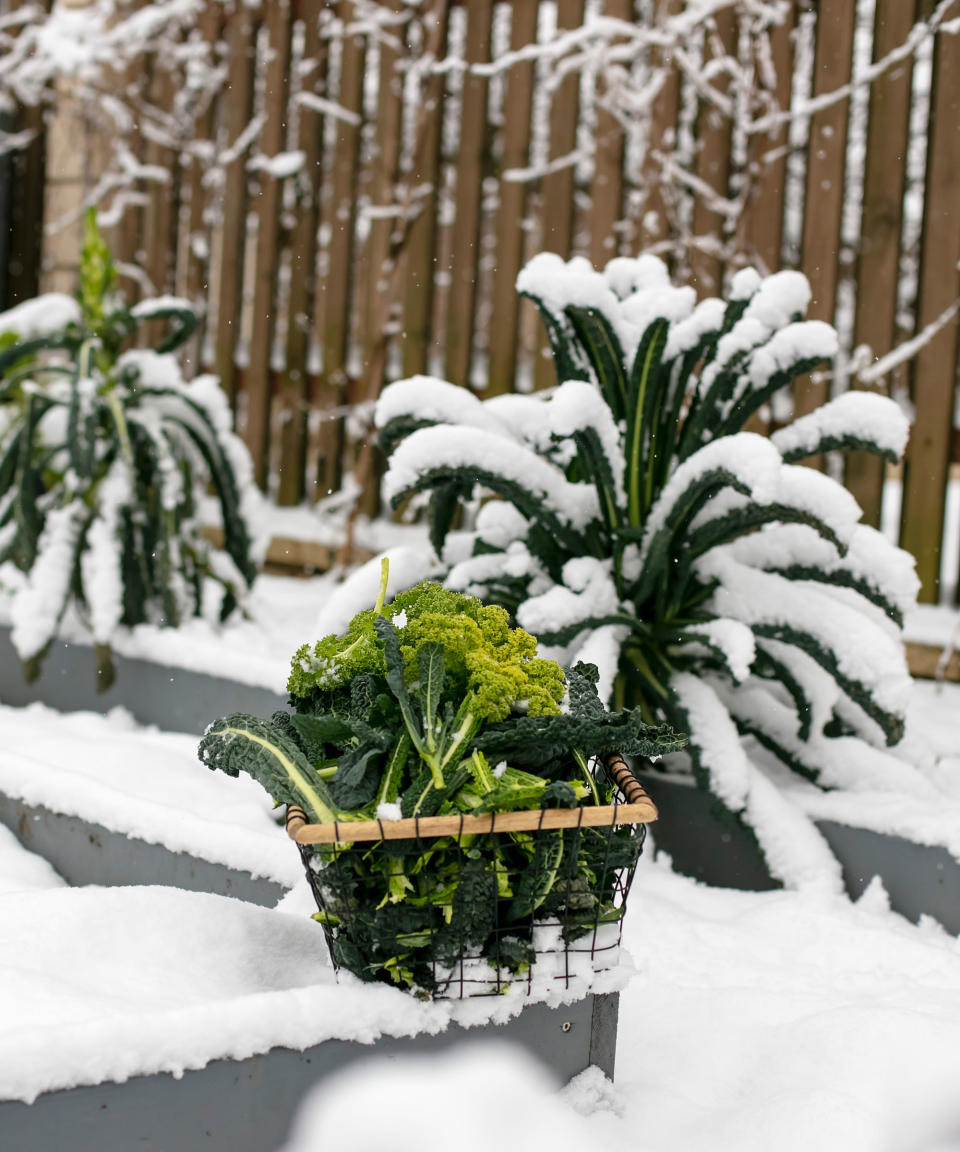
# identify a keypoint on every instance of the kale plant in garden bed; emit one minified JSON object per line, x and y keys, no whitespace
{"x":724,"y":588}
{"x":434,"y":705}
{"x":104,"y":455}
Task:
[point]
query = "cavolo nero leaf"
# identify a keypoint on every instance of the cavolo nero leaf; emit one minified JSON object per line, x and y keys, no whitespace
{"x":240,"y":743}
{"x":532,"y":740}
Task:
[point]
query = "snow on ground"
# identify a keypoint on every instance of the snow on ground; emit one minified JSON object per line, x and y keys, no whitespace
{"x":100,"y":984}
{"x":777,"y":1020}
{"x":143,"y":783}
{"x":22,"y":871}
{"x":757,"y":1022}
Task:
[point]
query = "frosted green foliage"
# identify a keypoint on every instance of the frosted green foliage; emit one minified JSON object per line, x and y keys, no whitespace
{"x":104,"y":456}
{"x":640,"y":527}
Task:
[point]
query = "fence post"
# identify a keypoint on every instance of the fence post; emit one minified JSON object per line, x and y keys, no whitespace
{"x":934,"y":370}
{"x":878,"y":264}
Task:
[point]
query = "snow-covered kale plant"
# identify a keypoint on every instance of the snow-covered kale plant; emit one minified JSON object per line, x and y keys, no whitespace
{"x":104,"y":456}
{"x":720,"y":586}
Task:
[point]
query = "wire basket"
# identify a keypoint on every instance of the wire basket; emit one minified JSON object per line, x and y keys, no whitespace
{"x":460,"y":906}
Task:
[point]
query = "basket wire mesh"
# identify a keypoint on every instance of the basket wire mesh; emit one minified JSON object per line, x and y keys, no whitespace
{"x":455,"y":907}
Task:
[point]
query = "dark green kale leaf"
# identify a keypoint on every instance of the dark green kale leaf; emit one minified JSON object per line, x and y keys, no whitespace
{"x":529,"y":741}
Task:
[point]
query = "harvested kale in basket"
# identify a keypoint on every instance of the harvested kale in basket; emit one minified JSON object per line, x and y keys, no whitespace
{"x":434,"y":705}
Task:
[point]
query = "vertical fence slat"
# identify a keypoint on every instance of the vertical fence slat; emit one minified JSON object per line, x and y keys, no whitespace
{"x":337,"y":287}
{"x":762,"y":221}
{"x":273,"y":140}
{"x":879,"y":256}
{"x":421,"y":242}
{"x":934,"y":371}
{"x":295,"y":390}
{"x":197,"y":272}
{"x":517,"y":108}
{"x":823,"y":201}
{"x":239,"y":111}
{"x":160,"y":214}
{"x":606,"y":192}
{"x":654,"y":223}
{"x":713,"y":165}
{"x":558,"y":186}
{"x":384,"y":163}
{"x":464,"y":252}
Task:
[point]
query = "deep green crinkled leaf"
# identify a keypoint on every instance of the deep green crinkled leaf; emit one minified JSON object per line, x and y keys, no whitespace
{"x":569,"y":360}
{"x":842,"y":578}
{"x":189,"y":416}
{"x":445,"y":501}
{"x":357,"y":779}
{"x":601,"y":345}
{"x":396,"y":675}
{"x":890,"y":723}
{"x":582,"y":680}
{"x":322,"y":729}
{"x":531,"y":740}
{"x":828,"y":442}
{"x":241,"y":743}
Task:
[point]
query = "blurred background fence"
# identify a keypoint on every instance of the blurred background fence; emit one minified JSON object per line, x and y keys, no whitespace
{"x":348,"y":190}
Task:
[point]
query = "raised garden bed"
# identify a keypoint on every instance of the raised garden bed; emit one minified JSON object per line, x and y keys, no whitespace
{"x":921,"y":880}
{"x":246,"y":1106}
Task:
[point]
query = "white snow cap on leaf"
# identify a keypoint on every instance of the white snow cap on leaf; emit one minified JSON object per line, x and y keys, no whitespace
{"x":685,"y":334}
{"x":101,"y":560}
{"x":716,"y":738}
{"x":779,"y":299}
{"x":35,"y":612}
{"x":41,"y":316}
{"x":557,"y":282}
{"x":870,"y":557}
{"x":498,"y":523}
{"x":473,"y":574}
{"x":845,"y":762}
{"x":156,"y":304}
{"x":795,"y":852}
{"x":864,"y":652}
{"x":817,"y":494}
{"x":794,"y":849}
{"x":522,"y":417}
{"x":751,"y":458}
{"x":733,"y":639}
{"x":577,"y":406}
{"x":818,"y":686}
{"x":429,"y":398}
{"x":803,"y":489}
{"x":805,"y":340}
{"x":745,"y":283}
{"x":473,"y":449}
{"x":628,"y":274}
{"x":587,"y":590}
{"x":602,"y":647}
{"x":862,"y":415}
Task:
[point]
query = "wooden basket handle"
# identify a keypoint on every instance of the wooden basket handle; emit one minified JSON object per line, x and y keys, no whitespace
{"x":625,"y":780}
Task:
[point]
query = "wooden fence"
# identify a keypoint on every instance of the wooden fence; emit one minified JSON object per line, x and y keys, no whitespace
{"x":273,"y":154}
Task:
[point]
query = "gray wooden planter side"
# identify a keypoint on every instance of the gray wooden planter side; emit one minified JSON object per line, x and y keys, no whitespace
{"x":175,"y":699}
{"x":247,"y":1106}
{"x":86,"y":853}
{"x":919,"y":880}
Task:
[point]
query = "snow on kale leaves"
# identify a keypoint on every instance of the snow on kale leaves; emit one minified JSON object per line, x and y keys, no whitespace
{"x":434,"y":705}
{"x":104,"y":455}
{"x":723,"y":588}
